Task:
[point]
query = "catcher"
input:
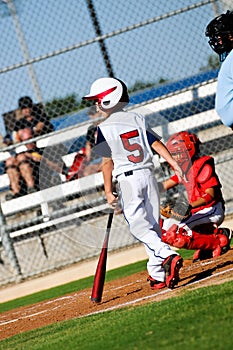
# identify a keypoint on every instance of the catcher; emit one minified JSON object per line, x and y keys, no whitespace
{"x":195,"y":224}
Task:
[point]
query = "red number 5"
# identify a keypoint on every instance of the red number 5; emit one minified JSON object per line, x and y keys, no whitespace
{"x":131,"y":147}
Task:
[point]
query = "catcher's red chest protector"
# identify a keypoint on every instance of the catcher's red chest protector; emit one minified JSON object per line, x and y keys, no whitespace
{"x":201,"y":176}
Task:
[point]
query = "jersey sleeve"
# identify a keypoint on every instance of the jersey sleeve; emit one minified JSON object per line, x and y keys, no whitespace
{"x":224,"y":93}
{"x":174,"y":178}
{"x":152,"y":136}
{"x":102,"y":148}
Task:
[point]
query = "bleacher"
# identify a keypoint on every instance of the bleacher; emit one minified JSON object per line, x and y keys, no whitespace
{"x":188,"y":104}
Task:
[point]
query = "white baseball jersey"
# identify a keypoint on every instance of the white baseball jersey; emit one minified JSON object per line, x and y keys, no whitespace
{"x":126,"y":138}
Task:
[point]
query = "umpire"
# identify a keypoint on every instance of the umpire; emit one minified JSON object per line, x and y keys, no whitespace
{"x":220,"y":33}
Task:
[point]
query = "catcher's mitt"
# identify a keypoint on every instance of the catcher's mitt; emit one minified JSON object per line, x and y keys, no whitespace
{"x":166,"y":207}
{"x":176,"y":210}
{"x":181,"y":211}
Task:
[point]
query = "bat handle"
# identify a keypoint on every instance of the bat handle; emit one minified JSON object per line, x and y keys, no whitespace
{"x":110,"y":217}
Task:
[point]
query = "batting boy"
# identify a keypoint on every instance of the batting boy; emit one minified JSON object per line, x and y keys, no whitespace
{"x":124,"y":141}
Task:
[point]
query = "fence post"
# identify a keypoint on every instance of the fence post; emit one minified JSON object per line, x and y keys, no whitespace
{"x":8,"y":245}
{"x":98,"y":32}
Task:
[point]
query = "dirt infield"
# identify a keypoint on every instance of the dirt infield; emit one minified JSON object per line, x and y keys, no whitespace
{"x":128,"y":291}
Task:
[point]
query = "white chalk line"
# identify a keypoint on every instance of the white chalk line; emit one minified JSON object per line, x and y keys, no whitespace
{"x":68,"y":298}
{"x":123,"y":286}
{"x":205,"y":263}
{"x":151,"y":296}
{"x":135,"y":301}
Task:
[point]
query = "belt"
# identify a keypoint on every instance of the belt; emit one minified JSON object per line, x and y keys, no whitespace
{"x":127,"y":173}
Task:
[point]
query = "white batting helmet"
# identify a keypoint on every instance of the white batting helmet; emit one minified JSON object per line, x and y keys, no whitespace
{"x":108,"y":92}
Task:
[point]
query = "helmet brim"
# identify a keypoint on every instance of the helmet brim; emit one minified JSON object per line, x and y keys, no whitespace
{"x":89,"y":97}
{"x":100,"y":95}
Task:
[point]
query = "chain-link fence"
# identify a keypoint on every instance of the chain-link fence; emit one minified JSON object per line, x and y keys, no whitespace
{"x":52,"y":201}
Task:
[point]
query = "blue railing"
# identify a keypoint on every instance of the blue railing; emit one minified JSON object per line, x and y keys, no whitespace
{"x":152,"y":93}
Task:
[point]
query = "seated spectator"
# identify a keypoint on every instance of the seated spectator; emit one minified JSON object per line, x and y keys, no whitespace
{"x":19,"y":170}
{"x":32,"y":117}
{"x":27,"y":170}
{"x":86,"y":162}
{"x":93,"y":160}
{"x":8,"y":140}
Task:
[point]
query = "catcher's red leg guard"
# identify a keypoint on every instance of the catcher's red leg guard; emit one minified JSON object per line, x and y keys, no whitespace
{"x":215,"y":243}
{"x":180,"y":238}
{"x":169,"y":236}
{"x":224,"y":234}
{"x":223,"y":247}
{"x":177,"y":237}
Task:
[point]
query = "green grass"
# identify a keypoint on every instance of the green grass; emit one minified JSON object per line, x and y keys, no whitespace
{"x":200,"y":319}
{"x":78,"y":285}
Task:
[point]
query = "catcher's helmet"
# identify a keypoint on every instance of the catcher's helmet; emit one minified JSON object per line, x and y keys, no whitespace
{"x":108,"y":92}
{"x":218,"y":31}
{"x":184,"y":146}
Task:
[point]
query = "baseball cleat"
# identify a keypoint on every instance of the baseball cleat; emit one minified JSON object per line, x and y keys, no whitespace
{"x":172,"y":264}
{"x":155,"y":284}
{"x":228,"y":233}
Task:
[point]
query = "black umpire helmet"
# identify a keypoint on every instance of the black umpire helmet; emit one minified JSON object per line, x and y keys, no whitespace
{"x":219,"y":31}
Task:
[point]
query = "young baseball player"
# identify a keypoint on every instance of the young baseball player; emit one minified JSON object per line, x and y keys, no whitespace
{"x":199,"y":230}
{"x":220,"y":33}
{"x":124,"y":140}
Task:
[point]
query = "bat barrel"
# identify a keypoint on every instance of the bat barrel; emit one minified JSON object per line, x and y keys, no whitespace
{"x":98,"y":284}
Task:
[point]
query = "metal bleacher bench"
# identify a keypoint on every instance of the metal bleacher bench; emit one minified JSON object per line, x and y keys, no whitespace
{"x":4,"y":179}
{"x":48,"y":221}
{"x":35,"y":227}
{"x":50,"y":139}
{"x":13,"y":212}
{"x":53,"y":193}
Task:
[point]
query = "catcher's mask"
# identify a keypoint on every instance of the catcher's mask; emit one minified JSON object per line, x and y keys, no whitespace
{"x":108,"y":92}
{"x":220,"y":33}
{"x":183,"y":146}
